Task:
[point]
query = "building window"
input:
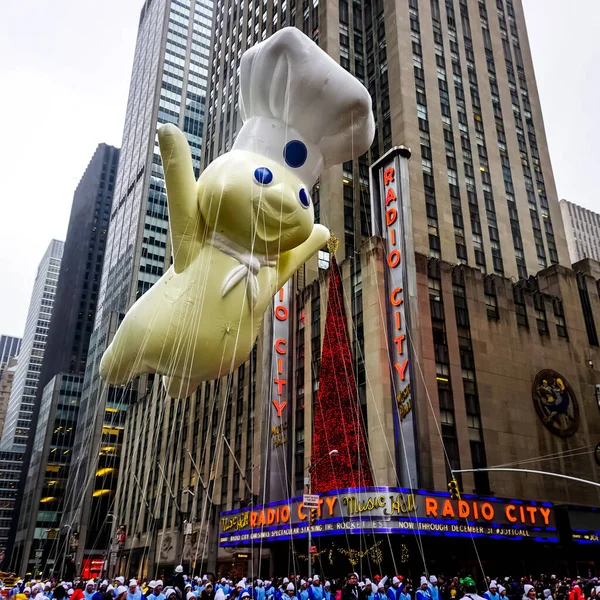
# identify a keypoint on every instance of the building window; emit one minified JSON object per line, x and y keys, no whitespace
{"x":559,"y":314}
{"x":491,"y":299}
{"x":520,"y":307}
{"x":540,"y":313}
{"x":586,"y":307}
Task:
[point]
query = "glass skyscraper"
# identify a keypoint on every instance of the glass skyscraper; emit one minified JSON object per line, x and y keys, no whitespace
{"x":22,"y":397}
{"x":168,"y":85}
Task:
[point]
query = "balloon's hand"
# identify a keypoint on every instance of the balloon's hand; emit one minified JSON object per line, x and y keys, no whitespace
{"x":292,"y":260}
{"x":185,"y":221}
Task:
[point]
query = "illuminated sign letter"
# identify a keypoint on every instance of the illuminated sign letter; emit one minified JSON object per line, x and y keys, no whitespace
{"x":388,"y":176}
{"x":279,"y":406}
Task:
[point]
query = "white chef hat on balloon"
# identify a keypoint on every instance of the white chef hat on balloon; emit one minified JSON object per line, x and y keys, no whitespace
{"x":301,"y":108}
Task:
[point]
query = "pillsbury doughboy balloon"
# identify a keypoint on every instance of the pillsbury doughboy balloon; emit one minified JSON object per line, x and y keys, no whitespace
{"x":240,"y":231}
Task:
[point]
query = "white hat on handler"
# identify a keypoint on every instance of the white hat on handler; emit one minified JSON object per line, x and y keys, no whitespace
{"x":290,"y":588}
{"x":300,"y":108}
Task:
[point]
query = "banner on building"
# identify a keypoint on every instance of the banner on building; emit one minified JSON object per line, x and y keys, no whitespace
{"x":391,"y":217}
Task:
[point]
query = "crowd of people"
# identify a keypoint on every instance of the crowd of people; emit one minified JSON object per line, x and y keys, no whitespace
{"x":295,"y":587}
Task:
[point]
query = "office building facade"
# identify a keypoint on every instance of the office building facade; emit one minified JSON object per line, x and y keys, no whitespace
{"x":454,"y":81}
{"x":9,"y":348}
{"x":22,"y":399}
{"x":66,"y":355}
{"x":168,"y":85}
{"x":11,"y":466}
{"x":6,"y":383}
{"x":582,"y":228}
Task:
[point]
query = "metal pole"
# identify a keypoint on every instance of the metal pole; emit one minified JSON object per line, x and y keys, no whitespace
{"x":237,"y":464}
{"x":529,"y":471}
{"x":309,"y":534}
{"x":202,"y":482}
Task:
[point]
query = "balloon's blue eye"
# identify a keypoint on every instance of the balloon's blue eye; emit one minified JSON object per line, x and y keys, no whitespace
{"x":263,"y":175}
{"x":304,"y":199}
{"x":295,"y":153}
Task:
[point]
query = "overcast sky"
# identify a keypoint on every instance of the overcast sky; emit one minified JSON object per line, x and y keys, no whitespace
{"x":64,"y":76}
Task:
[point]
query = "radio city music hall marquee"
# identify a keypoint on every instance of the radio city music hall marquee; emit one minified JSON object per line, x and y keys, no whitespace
{"x":391,"y":510}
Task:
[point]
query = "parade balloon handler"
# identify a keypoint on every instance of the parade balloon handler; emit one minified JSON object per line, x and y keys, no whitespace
{"x":242,"y":230}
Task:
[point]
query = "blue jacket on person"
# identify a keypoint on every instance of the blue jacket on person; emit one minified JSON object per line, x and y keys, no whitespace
{"x":316,"y":592}
{"x":434,"y":590}
{"x":260,"y":593}
{"x":393,"y":593}
{"x":423,"y":594}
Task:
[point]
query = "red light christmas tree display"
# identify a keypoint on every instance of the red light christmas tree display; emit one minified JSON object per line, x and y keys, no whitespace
{"x":337,"y":423}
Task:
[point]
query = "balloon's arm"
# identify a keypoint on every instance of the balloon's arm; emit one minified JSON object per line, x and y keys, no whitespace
{"x":291,"y":260}
{"x":185,"y":220}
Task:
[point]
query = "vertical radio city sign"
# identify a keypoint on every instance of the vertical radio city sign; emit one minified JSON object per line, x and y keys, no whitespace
{"x":278,"y":449}
{"x":390,"y":208}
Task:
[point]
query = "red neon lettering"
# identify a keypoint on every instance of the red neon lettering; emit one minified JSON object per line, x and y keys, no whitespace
{"x":278,"y":346}
{"x":510,"y":510}
{"x":398,"y":341}
{"x":402,"y":369}
{"x":448,"y":511}
{"x":531,"y":510}
{"x":391,"y":214}
{"x":330,"y":504}
{"x":280,"y":383}
{"x":390,"y":196}
{"x":487,"y":511}
{"x":301,"y":515}
{"x":279,"y":406}
{"x":394,"y":258}
{"x":431,"y":507}
{"x":281,"y":313}
{"x":398,"y":320}
{"x":281,"y":295}
{"x":280,"y":366}
{"x":388,"y":176}
{"x":463,"y":509}
{"x":393,"y":236}
{"x":545,"y":512}
{"x":394,"y":296}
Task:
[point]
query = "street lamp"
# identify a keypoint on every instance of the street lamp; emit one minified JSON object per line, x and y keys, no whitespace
{"x":307,"y":481}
